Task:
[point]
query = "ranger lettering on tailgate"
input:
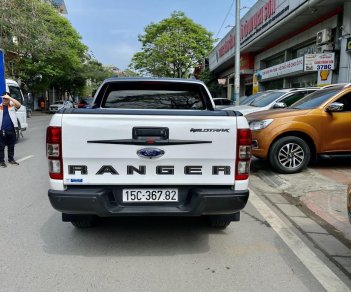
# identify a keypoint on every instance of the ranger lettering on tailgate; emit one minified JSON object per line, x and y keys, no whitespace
{"x":141,"y":169}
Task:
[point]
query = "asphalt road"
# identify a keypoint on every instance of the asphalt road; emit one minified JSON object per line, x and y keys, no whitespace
{"x":38,"y":252}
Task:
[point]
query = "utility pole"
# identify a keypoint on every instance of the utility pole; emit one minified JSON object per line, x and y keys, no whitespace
{"x":236,"y":91}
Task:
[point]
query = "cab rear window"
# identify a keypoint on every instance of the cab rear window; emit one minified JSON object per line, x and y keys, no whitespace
{"x":154,"y":95}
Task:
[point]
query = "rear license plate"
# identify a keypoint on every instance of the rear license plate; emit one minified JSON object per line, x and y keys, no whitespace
{"x":149,"y":195}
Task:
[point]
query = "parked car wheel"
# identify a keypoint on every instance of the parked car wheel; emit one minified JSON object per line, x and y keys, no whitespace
{"x":289,"y":155}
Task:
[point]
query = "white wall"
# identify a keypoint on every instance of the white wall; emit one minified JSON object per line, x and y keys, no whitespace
{"x":295,"y":41}
{"x":345,"y":57}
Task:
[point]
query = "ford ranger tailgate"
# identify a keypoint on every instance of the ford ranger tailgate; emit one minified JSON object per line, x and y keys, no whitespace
{"x":169,"y":149}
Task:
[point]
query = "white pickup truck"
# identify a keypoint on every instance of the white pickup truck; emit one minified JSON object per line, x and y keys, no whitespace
{"x":149,"y":147}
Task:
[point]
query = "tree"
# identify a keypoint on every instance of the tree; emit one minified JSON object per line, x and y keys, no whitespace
{"x":23,"y":32}
{"x":211,"y":81}
{"x":39,"y":42}
{"x":64,"y":64}
{"x":94,"y":73}
{"x":172,"y":47}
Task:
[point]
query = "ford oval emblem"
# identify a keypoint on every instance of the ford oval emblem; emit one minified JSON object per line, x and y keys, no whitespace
{"x":150,"y":153}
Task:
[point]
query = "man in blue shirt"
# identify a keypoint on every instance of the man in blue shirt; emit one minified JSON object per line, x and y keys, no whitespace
{"x":8,"y":122}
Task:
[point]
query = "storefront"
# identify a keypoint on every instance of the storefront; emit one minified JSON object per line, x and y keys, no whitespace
{"x":287,"y":43}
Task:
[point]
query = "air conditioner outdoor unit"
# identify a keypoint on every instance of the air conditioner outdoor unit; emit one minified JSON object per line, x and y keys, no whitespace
{"x":324,"y":36}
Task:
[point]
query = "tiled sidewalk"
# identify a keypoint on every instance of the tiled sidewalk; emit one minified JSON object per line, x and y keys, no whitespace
{"x":321,"y":188}
{"x":330,"y":204}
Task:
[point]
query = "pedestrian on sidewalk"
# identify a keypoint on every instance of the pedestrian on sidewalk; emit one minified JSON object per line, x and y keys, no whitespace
{"x":8,"y":122}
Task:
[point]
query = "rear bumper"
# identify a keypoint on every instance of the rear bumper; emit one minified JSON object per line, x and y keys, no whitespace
{"x":107,"y":202}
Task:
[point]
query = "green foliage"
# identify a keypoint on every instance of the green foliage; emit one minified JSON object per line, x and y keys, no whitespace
{"x":211,"y":81}
{"x":47,"y":51}
{"x":95,"y":73}
{"x":66,"y":56}
{"x":172,"y":47}
{"x":22,"y":29}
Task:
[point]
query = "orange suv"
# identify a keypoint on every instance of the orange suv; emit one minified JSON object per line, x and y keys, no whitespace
{"x":319,"y":123}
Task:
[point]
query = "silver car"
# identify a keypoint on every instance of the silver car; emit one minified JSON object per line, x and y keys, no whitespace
{"x":273,"y":99}
{"x":60,"y":104}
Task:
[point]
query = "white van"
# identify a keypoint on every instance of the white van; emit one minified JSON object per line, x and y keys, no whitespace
{"x":13,"y":88}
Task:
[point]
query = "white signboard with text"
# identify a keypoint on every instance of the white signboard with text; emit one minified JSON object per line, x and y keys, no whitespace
{"x":319,"y":62}
{"x":285,"y":68}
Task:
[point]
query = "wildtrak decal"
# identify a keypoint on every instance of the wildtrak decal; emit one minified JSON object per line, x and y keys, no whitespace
{"x":209,"y":130}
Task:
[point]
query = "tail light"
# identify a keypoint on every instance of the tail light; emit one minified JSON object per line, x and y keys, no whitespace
{"x":243,"y":155}
{"x":54,"y":152}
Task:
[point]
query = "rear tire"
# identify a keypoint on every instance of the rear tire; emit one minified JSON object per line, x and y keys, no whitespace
{"x":84,"y":222}
{"x":289,"y":155}
{"x":220,"y":221}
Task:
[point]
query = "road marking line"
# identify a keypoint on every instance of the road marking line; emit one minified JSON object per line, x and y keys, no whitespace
{"x":25,"y":158}
{"x":325,"y":276}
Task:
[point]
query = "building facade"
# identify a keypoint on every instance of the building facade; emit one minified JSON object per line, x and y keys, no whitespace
{"x":287,"y":43}
{"x":59,"y":5}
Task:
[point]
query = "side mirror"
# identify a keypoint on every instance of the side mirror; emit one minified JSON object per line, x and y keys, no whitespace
{"x":280,"y":105}
{"x":335,"y":107}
